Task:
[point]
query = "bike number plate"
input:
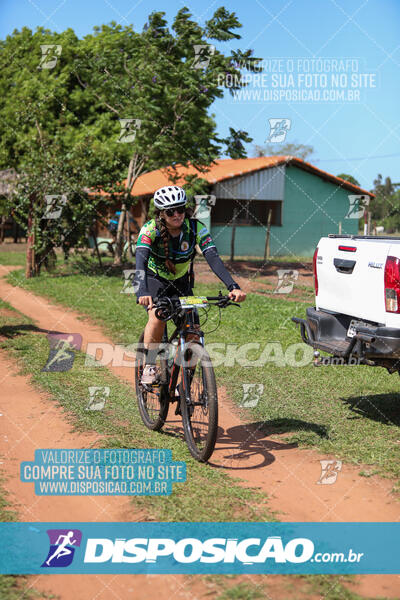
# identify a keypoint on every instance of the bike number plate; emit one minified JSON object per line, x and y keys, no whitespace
{"x":352,"y":330}
{"x":192,"y":301}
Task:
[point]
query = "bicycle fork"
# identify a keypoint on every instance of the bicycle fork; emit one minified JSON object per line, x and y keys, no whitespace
{"x":185,"y":372}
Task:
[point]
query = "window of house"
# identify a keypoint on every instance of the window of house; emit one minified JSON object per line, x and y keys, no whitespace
{"x":248,"y":212}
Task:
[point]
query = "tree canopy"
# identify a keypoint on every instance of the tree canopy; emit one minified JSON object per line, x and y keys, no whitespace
{"x":386,"y":205}
{"x":100,"y":111}
{"x":302,"y":151}
{"x":349,"y":178}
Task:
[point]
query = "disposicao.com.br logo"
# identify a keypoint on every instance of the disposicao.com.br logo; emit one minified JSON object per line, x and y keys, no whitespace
{"x":182,"y":549}
{"x":212,"y":550}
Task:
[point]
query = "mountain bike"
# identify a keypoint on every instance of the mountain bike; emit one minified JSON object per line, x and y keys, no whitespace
{"x":108,"y":247}
{"x":186,"y":375}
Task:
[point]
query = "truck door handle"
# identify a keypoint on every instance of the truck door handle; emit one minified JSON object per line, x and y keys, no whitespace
{"x":344,"y":266}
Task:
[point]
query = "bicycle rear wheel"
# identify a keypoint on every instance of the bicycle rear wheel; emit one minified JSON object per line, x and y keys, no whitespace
{"x":125,"y":254}
{"x":106,"y":248}
{"x":153,"y":405}
{"x":200,"y":414}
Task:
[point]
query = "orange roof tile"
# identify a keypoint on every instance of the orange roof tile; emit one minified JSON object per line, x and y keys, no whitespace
{"x":223,"y":169}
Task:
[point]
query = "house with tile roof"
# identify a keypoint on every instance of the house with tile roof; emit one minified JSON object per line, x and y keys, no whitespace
{"x":301,"y":201}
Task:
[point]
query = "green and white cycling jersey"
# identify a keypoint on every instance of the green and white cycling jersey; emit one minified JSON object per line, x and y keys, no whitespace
{"x":181,"y":249}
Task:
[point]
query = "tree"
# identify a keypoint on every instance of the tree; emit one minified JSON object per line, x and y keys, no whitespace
{"x":289,"y":149}
{"x":48,"y":202}
{"x":349,"y":178}
{"x":386,"y":205}
{"x":153,"y":90}
{"x":41,"y":137}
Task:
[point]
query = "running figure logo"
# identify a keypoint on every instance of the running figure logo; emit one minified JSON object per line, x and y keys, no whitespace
{"x":329,"y":471}
{"x":286,"y":280}
{"x":357,"y":205}
{"x":203,"y":54}
{"x":62,"y":351}
{"x":62,"y":550}
{"x":278,"y":129}
{"x":252,"y":393}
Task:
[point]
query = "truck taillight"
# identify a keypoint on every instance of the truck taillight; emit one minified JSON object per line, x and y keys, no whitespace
{"x":347,"y":248}
{"x":392,"y":284}
{"x":315,"y":271}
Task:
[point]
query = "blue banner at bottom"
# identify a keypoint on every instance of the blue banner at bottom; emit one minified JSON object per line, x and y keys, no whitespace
{"x":200,"y":548}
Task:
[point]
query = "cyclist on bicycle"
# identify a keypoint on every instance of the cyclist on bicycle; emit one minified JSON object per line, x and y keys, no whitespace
{"x":165,"y":252}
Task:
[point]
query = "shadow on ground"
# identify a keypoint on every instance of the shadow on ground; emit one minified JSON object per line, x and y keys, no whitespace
{"x":12,"y":331}
{"x":383,"y":408}
{"x":248,"y":447}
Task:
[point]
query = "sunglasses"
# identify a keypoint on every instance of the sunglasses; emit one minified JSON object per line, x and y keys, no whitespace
{"x":171,"y":211}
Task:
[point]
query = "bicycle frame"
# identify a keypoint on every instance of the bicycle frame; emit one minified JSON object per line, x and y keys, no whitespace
{"x":184,"y":328}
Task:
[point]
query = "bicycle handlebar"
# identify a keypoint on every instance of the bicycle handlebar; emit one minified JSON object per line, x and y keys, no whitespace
{"x":167,"y":308}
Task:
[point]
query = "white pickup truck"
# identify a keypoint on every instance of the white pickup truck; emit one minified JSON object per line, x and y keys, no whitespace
{"x":356,"y":317}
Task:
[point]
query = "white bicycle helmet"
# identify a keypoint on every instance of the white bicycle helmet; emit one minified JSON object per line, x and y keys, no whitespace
{"x":169,"y":196}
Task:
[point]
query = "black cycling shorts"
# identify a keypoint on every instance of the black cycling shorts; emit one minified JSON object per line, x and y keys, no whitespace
{"x":160,"y":287}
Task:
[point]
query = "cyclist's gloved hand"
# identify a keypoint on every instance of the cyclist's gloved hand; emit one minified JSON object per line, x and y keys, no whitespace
{"x":237,"y":295}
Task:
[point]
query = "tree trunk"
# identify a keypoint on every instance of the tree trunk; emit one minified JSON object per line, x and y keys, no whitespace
{"x":134,"y":169}
{"x":3,"y":220}
{"x":15,"y":232}
{"x":94,"y":234}
{"x":119,"y":237}
{"x":31,"y":240}
{"x":143,"y":211}
{"x":128,"y":236}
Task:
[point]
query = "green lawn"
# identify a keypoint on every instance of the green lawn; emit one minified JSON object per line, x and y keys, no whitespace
{"x":12,"y":258}
{"x":351,"y":412}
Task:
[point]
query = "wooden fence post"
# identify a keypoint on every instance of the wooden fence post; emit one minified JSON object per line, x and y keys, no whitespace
{"x":267,"y":237}
{"x":235,"y":212}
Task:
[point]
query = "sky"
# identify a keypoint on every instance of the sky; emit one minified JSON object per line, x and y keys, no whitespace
{"x":333,"y":65}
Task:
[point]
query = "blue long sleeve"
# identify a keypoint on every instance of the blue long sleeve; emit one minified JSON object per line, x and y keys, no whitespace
{"x":140,"y":279}
{"x":217,"y":266}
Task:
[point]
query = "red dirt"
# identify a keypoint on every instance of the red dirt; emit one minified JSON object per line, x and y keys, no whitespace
{"x":286,"y":473}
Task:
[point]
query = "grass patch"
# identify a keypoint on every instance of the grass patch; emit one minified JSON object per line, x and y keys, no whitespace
{"x":350,"y":412}
{"x":12,"y":258}
{"x":242,"y":591}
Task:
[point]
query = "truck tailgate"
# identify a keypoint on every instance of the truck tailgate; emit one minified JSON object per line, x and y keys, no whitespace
{"x":351,"y":275}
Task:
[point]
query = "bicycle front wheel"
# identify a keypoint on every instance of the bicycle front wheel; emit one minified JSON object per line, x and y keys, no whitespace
{"x":152,"y":402}
{"x":199,"y":406}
